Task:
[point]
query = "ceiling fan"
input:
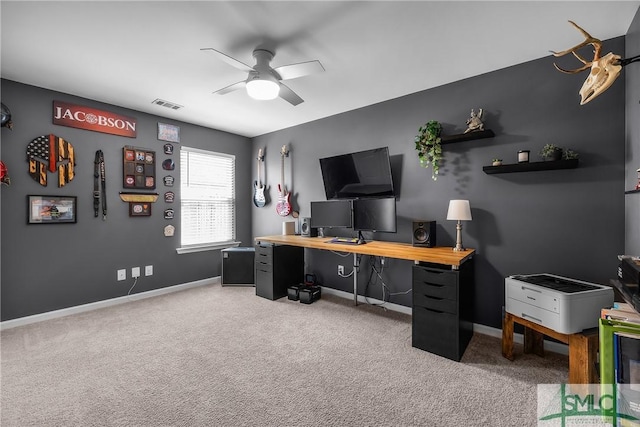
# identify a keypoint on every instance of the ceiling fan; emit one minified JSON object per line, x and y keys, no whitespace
{"x":264,"y":82}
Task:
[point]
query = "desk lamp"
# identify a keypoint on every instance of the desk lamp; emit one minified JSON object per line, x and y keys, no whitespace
{"x":459,"y":210}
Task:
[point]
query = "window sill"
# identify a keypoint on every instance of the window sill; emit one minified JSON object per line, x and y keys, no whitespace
{"x":210,"y":247}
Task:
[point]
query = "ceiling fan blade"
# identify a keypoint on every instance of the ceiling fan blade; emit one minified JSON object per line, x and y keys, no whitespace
{"x":231,"y":88}
{"x":290,"y":96}
{"x":229,"y":60}
{"x":293,"y":71}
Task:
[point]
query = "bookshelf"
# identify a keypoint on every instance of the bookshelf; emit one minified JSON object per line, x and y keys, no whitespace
{"x":619,"y":330}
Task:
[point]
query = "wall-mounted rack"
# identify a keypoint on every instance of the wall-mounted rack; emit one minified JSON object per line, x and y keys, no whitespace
{"x":532,"y":166}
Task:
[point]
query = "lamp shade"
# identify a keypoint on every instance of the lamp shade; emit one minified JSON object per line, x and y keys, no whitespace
{"x":263,"y":87}
{"x":459,"y":210}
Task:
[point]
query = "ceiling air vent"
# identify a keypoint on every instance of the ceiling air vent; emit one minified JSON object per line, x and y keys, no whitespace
{"x":167,"y":104}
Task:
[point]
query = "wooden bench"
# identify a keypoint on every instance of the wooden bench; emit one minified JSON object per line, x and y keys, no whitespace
{"x":583,"y":347}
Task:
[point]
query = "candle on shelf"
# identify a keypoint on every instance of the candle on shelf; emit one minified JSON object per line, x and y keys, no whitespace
{"x":523,"y":156}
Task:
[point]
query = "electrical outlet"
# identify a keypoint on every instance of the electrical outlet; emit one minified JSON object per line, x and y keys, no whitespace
{"x":122,"y":274}
{"x":148,"y":270}
{"x":135,"y":272}
{"x":341,"y":270}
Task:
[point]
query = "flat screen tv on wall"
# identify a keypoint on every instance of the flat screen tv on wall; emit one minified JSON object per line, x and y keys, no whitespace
{"x":361,"y":174}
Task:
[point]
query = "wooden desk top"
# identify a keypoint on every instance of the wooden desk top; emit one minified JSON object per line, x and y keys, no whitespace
{"x":437,"y":255}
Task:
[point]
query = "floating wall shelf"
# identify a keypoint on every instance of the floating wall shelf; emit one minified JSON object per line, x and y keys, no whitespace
{"x":632,"y":191}
{"x":139,"y":197}
{"x":450,"y":139}
{"x":532,"y":166}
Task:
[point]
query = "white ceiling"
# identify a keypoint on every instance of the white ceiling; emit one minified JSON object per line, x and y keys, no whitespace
{"x":130,"y":53}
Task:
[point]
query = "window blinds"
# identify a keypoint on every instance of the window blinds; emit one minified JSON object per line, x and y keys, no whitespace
{"x":207,"y":197}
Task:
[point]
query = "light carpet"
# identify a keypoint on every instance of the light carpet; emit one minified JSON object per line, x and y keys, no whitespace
{"x":221,"y":356}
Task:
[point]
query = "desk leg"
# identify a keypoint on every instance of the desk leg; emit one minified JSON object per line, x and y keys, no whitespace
{"x":507,"y":336}
{"x":355,"y":279}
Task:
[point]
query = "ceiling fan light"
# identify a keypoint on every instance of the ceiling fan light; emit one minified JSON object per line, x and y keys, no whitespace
{"x":263,"y":89}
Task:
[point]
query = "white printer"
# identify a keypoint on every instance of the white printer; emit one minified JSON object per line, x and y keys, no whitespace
{"x":565,"y":305}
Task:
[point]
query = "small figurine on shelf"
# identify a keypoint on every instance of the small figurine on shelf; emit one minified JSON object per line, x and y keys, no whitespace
{"x":496,"y":162}
{"x":638,"y":184}
{"x":474,"y":123}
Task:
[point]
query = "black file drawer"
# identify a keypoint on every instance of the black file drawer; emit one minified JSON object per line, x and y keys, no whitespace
{"x":435,"y":303}
{"x":276,"y":268}
{"x":442,"y":321}
{"x":435,"y":290}
{"x":435,"y":332}
{"x":435,"y":276}
{"x":264,"y":254}
{"x":264,"y":284}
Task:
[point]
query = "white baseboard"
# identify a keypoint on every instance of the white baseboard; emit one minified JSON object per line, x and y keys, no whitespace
{"x":27,"y":320}
{"x":552,"y":346}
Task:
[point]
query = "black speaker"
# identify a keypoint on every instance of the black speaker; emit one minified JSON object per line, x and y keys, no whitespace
{"x":424,"y":234}
{"x":305,"y":228}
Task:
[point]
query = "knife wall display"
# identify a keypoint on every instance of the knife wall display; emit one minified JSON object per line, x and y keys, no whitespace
{"x":258,"y":189}
{"x":283,"y":207}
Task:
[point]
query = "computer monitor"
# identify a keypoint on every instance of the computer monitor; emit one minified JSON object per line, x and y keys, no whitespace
{"x":375,"y":214}
{"x":331,"y":214}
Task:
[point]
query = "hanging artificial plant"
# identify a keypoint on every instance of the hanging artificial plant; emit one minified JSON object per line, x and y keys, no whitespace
{"x":428,"y":146}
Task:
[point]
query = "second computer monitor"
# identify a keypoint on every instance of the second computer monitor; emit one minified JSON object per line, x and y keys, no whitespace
{"x":331,"y":214}
{"x":377,"y":214}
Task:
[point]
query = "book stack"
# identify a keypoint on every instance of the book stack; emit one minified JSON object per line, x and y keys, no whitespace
{"x":620,"y":360}
{"x":629,"y":279}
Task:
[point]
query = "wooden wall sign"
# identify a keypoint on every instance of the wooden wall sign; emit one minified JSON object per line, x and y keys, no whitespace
{"x":81,"y":117}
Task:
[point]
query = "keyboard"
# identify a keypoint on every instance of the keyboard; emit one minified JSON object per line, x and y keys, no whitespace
{"x":347,"y":240}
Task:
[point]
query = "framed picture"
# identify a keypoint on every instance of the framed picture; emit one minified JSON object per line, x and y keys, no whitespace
{"x":169,"y":133}
{"x":139,"y":209}
{"x":51,"y":209}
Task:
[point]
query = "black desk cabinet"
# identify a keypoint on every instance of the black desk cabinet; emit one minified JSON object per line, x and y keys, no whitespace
{"x":442,"y":321}
{"x":277,"y":268}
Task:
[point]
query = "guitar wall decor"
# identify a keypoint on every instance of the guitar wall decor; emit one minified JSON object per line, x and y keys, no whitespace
{"x":258,"y":189}
{"x":283,"y":207}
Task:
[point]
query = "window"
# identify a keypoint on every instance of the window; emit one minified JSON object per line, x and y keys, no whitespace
{"x":208,"y":199}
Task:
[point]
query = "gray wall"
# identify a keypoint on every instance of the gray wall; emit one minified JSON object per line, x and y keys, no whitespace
{"x":566,"y":222}
{"x":632,"y":201}
{"x":49,"y":267}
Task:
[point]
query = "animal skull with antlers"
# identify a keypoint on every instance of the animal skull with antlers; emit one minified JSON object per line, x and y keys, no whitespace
{"x":604,"y":70}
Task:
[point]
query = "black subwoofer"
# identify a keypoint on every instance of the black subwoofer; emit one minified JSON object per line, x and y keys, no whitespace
{"x":424,"y":234}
